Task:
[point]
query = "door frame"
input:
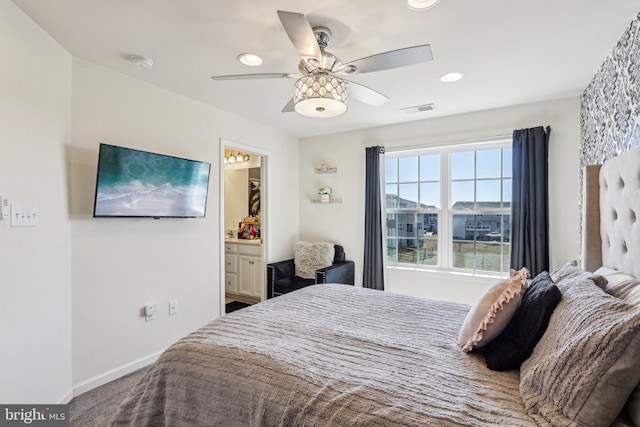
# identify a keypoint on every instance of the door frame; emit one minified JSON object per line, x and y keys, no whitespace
{"x":264,"y":211}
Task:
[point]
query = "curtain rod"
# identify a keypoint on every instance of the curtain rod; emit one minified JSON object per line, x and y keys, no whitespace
{"x":450,"y":143}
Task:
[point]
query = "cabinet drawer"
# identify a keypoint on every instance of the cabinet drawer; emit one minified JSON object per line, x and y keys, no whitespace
{"x":249,"y":249}
{"x":231,"y":263}
{"x":230,"y":247}
{"x":231,"y":283}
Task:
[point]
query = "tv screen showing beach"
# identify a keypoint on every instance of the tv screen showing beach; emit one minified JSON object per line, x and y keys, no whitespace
{"x":134,"y":183}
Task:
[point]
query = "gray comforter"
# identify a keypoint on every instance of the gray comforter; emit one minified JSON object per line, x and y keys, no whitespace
{"x":326,"y":355}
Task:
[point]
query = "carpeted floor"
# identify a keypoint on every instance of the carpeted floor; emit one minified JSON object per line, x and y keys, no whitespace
{"x":235,"y":305}
{"x":96,"y":407}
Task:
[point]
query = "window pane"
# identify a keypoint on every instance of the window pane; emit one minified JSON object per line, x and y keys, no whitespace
{"x":407,"y":250}
{"x":481,"y":242}
{"x":507,"y":162}
{"x":430,"y":168}
{"x":428,"y":224}
{"x":392,"y":250}
{"x":462,"y":196}
{"x":488,"y":193}
{"x":506,"y":192}
{"x":391,"y":170}
{"x":488,"y":163}
{"x":408,"y":169}
{"x":427,"y":253}
{"x":392,"y":196}
{"x":391,"y":225}
{"x":408,"y":195}
{"x":462,"y":165}
{"x":430,"y":195}
{"x":463,"y":241}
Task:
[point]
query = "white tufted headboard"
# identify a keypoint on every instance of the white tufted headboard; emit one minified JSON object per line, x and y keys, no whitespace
{"x":611,"y":219}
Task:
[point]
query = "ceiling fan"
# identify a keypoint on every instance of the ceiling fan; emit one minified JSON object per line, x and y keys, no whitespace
{"x":320,"y":89}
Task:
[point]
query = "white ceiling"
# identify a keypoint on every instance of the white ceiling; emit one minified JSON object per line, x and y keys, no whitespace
{"x":511,"y":51}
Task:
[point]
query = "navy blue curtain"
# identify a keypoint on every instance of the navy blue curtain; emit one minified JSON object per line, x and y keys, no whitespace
{"x":530,"y":200}
{"x":373,"y":276}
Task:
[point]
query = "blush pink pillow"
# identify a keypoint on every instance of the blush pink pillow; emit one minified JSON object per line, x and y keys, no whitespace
{"x":492,"y":312}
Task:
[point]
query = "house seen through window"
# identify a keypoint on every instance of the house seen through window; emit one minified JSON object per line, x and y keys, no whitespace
{"x":450,"y":208}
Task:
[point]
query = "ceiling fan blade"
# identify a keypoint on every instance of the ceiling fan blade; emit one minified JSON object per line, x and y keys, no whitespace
{"x":301,"y":34}
{"x":258,"y":76}
{"x":289,"y":108}
{"x":365,"y":94}
{"x":392,"y":59}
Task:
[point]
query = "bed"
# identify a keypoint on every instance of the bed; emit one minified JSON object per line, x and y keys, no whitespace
{"x":340,"y":355}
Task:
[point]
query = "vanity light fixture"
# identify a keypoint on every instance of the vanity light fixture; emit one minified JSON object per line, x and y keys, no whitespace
{"x":236,"y":158}
{"x":250,"y":59}
{"x":451,"y":77}
{"x":421,"y":4}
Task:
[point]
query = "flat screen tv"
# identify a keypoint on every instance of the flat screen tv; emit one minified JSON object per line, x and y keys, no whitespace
{"x":133,"y":183}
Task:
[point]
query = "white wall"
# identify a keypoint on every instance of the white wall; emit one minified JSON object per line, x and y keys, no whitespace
{"x":344,"y":223}
{"x":119,"y":265}
{"x":35,"y":278}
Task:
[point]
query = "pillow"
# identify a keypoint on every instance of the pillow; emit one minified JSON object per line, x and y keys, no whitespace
{"x":312,"y":256}
{"x":585,"y":365}
{"x":627,"y":288}
{"x":515,"y":344}
{"x":492,"y":312}
{"x":621,"y":285}
{"x":571,"y":271}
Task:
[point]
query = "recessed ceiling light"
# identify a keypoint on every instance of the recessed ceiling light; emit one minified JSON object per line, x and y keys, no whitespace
{"x":451,"y":77}
{"x":250,"y":59}
{"x":142,"y":62}
{"x":421,"y":4}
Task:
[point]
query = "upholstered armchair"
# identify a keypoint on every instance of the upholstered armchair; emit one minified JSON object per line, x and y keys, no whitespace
{"x":282,"y":278}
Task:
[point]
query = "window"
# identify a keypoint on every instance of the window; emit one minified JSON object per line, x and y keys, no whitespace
{"x":450,"y":208}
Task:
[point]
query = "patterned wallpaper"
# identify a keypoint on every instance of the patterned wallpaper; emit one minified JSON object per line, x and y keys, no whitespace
{"x":610,"y":105}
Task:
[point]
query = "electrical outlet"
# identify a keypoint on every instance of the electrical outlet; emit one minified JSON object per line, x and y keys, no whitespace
{"x":173,"y":307}
{"x":150,"y":311}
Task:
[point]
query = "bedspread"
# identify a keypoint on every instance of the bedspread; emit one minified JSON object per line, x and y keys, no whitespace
{"x":326,"y":355}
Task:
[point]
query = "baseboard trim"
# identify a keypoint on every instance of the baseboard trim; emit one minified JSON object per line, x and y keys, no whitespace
{"x":66,"y":398}
{"x":113,"y":374}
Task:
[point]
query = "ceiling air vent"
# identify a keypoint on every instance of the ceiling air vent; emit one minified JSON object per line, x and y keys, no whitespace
{"x":418,"y":108}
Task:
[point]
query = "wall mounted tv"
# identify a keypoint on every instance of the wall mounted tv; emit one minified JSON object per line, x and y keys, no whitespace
{"x":133,"y":183}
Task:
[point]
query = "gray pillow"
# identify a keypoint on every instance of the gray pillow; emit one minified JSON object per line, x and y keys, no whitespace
{"x":585,"y":366}
{"x":312,"y":256}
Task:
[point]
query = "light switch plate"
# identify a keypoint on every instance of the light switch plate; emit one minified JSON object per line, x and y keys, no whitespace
{"x":5,"y":212}
{"x":24,"y":216}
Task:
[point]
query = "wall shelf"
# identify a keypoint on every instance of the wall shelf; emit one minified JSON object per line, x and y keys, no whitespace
{"x":332,"y":200}
{"x":327,"y":170}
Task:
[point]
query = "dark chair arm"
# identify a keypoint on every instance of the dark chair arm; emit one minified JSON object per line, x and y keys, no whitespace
{"x":277,"y":271}
{"x":342,"y":272}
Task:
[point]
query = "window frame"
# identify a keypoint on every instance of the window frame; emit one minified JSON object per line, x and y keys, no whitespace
{"x":446,"y":212}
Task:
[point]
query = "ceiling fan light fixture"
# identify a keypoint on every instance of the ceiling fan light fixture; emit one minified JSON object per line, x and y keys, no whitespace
{"x":250,"y":59}
{"x":320,"y":96}
{"x":421,"y":4}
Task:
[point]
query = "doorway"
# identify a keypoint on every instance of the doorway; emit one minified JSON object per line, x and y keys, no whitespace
{"x":243,"y":194}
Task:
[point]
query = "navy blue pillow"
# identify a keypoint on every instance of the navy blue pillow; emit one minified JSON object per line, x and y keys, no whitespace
{"x":515,"y":344}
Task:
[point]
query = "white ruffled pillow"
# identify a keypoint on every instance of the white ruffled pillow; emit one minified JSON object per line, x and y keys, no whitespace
{"x":492,"y":312}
